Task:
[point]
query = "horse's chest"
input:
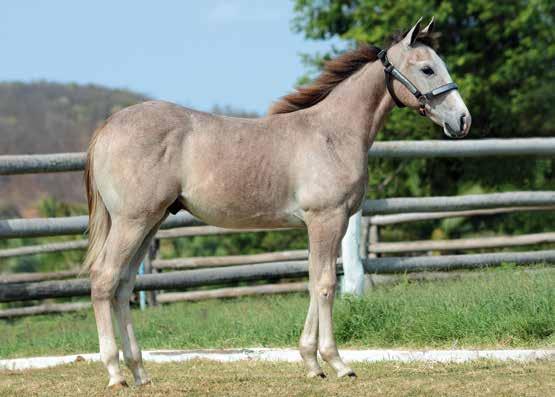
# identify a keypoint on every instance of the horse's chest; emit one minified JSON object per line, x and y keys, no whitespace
{"x":333,"y":188}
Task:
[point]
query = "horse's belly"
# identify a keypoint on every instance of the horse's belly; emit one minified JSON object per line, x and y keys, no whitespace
{"x":243,"y":210}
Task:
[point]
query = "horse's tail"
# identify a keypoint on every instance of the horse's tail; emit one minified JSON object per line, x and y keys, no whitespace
{"x":99,"y":218}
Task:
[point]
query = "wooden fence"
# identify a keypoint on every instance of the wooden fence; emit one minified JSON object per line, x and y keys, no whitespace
{"x":530,"y":147}
{"x":184,"y":273}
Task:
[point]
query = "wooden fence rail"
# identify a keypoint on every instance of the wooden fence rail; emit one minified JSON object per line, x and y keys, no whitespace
{"x":536,"y":147}
{"x":44,"y":248}
{"x":389,"y":265}
{"x":190,"y":231}
{"x":41,"y":163}
{"x":14,"y":228}
{"x":383,"y":220}
{"x":14,"y":278}
{"x":463,"y":244}
{"x":219,"y":293}
{"x":234,"y":260}
{"x":458,"y":203}
{"x":229,"y":260}
{"x":46,"y":308}
{"x":206,"y":231}
{"x":271,"y":271}
{"x":234,"y":292}
{"x":38,"y":227}
{"x":167,"y":281}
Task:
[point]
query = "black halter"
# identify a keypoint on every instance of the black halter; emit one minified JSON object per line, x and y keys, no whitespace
{"x":392,"y":72}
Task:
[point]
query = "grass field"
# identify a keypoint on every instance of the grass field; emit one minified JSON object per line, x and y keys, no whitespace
{"x":203,"y":378}
{"x":507,"y":307}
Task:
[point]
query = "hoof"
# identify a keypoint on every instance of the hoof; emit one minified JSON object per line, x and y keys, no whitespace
{"x":118,"y":385}
{"x":347,"y":372}
{"x":316,"y":374}
{"x":145,"y":382}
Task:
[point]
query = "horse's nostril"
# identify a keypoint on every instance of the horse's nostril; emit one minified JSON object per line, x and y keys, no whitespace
{"x":462,"y":121}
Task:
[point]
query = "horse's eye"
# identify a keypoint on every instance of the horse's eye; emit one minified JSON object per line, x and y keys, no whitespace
{"x":427,"y":70}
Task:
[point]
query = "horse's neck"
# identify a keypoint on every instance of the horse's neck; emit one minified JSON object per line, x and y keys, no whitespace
{"x":357,"y":107}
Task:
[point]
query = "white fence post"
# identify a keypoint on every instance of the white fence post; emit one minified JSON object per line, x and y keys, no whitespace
{"x":142,"y":294}
{"x":353,"y":270}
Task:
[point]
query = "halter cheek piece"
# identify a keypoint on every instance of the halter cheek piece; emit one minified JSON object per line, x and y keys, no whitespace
{"x":391,"y":72}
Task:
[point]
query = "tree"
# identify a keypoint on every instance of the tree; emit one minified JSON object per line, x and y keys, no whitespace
{"x":501,"y":54}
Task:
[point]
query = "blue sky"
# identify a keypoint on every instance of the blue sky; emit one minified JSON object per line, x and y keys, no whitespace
{"x":196,"y":53}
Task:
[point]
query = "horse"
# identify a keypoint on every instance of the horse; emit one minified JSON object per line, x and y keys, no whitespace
{"x":304,"y":165}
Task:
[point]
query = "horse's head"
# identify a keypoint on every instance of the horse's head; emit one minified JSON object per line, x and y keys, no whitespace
{"x":417,"y":77}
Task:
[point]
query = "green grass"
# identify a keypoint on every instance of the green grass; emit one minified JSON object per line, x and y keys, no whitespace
{"x":506,"y":307}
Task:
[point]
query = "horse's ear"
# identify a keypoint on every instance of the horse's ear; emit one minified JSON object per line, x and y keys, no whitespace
{"x":428,"y":29}
{"x":410,"y":37}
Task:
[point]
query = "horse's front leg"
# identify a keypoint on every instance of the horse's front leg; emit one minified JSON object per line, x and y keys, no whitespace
{"x":308,"y":345}
{"x":325,"y":231}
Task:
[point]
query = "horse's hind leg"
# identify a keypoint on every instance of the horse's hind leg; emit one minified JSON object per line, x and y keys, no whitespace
{"x":123,"y":242}
{"x":131,"y":350}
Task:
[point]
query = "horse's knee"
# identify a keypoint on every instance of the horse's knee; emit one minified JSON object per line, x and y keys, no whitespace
{"x":103,"y":284}
{"x":326,"y":289}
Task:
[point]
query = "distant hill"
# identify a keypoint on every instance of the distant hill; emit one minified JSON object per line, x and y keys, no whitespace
{"x":47,"y":117}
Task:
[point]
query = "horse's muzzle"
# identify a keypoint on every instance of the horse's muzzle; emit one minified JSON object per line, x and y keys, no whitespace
{"x":461,"y":130}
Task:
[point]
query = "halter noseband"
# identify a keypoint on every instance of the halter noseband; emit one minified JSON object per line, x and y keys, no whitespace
{"x":392,"y":72}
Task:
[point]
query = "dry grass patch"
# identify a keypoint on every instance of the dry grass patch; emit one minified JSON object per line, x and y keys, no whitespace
{"x":205,"y":378}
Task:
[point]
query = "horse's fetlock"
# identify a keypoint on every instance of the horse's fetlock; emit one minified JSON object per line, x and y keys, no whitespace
{"x":307,"y":348}
{"x":328,"y":352}
{"x":131,"y":363}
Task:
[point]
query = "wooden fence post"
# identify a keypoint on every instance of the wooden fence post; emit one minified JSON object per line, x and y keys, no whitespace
{"x":364,"y":237}
{"x":373,"y":238}
{"x":353,"y":270}
{"x":149,"y":257}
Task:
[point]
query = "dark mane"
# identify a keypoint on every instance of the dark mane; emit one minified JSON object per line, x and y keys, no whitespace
{"x":335,"y":71}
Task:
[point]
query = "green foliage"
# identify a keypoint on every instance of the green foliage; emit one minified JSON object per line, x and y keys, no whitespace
{"x":234,"y":244}
{"x":496,"y":308}
{"x":500,"y":53}
{"x":50,"y":207}
{"x":55,"y":261}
